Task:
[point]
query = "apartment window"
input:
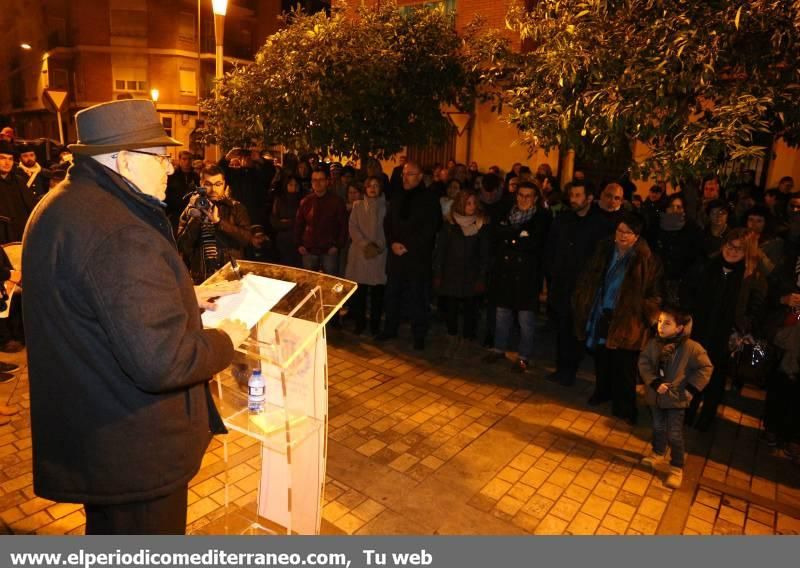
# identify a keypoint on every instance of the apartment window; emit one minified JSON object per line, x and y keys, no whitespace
{"x":166,"y":122}
{"x":448,"y":5}
{"x":128,"y":18}
{"x":130,"y":79}
{"x":58,"y":79}
{"x":187,"y":28}
{"x":187,"y":79}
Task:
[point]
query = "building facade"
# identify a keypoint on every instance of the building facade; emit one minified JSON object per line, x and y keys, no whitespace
{"x":102,"y":50}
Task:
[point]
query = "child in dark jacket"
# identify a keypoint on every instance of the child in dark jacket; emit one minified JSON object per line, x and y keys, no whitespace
{"x":674,"y":368}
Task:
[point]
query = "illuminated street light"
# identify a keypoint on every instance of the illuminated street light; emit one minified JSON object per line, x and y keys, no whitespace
{"x":154,"y":95}
{"x":25,"y":46}
{"x":220,"y":7}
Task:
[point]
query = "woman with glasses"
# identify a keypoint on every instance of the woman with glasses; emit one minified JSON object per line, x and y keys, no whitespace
{"x":718,"y":214}
{"x":616,"y":302}
{"x":725,"y":294}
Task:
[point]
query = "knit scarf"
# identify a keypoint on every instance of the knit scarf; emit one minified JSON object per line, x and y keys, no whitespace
{"x":517,"y":217}
{"x":470,"y":224}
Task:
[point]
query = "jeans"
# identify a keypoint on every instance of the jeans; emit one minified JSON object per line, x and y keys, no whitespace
{"x":327,"y":263}
{"x":502,"y":334}
{"x":668,"y":428}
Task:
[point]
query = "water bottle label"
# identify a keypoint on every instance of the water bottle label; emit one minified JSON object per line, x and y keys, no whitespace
{"x":256,"y":391}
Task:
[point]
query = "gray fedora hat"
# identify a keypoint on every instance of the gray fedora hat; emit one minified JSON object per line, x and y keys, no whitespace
{"x":119,"y":125}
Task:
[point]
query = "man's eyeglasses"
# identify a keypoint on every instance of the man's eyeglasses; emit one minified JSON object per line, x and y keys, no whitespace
{"x":217,"y":185}
{"x":164,"y":159}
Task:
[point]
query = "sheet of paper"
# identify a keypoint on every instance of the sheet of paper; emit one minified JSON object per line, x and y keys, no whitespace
{"x":257,"y":296}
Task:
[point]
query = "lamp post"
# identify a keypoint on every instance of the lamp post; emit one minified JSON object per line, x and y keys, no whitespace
{"x":219,"y":7}
{"x":154,"y":93}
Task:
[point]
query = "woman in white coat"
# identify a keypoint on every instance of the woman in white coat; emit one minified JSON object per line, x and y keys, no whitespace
{"x":366,"y":261}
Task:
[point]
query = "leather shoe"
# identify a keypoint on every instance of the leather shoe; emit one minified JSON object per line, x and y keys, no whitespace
{"x":8,"y":367}
{"x":597,"y":400}
{"x":555,"y":376}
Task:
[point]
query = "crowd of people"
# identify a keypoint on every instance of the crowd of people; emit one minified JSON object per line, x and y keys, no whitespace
{"x":485,"y":249}
{"x":676,"y":289}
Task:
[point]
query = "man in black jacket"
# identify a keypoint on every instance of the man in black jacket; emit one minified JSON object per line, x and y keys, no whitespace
{"x":570,"y":245}
{"x":180,"y":185}
{"x":411,"y":225}
{"x":119,"y":362}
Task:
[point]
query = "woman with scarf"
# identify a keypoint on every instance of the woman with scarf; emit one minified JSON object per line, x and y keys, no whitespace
{"x":284,"y":213}
{"x":460,"y":263}
{"x":725,"y":294}
{"x":366,"y":261}
{"x":678,"y":242}
{"x":517,"y":273}
{"x":616,"y":302}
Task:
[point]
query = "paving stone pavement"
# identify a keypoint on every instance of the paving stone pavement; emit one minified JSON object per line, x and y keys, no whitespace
{"x":442,"y":443}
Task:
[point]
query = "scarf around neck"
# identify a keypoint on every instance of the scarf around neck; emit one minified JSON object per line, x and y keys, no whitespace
{"x":517,"y":217}
{"x":470,"y":224}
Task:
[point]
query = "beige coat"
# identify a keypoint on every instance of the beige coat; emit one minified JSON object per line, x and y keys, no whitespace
{"x":366,"y":226}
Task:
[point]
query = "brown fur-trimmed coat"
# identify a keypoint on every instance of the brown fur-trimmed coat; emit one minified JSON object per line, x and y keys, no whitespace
{"x":639,"y":296}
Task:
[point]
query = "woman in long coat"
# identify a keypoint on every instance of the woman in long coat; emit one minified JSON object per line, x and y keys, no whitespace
{"x":366,"y":261}
{"x":461,"y":261}
{"x":615,"y":304}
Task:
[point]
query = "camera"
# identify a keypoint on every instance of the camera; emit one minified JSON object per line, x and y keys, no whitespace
{"x":202,"y":198}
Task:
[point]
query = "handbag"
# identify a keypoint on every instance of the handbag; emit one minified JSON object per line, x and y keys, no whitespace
{"x":750,"y":359}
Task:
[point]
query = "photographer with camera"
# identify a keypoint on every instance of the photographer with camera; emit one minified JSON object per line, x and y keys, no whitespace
{"x":213,"y":228}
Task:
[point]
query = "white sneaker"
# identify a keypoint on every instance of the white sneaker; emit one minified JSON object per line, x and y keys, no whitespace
{"x":653,"y":460}
{"x":675,"y":477}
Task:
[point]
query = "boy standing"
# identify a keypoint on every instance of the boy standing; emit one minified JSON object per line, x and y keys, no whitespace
{"x":674,"y":369}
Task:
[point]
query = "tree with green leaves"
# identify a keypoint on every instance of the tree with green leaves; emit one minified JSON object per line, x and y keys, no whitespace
{"x":700,"y":82}
{"x":358,"y":82}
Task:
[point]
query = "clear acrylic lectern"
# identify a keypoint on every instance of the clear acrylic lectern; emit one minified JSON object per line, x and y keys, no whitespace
{"x":288,"y":345}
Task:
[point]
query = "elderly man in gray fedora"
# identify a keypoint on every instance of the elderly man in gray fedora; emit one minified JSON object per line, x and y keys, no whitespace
{"x":119,"y":363}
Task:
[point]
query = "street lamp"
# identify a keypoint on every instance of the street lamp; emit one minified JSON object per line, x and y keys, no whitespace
{"x":154,"y":93}
{"x":220,"y":7}
{"x":25,"y":46}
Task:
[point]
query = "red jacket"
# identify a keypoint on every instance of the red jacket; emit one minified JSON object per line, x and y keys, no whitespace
{"x":321,"y":223}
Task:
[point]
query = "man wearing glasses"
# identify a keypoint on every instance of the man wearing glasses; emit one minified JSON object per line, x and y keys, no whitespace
{"x":213,"y":228}
{"x":119,"y":362}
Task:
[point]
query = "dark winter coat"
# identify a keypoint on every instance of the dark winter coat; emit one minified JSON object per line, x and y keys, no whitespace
{"x":118,"y":358}
{"x":251,"y":187}
{"x":678,"y":250}
{"x":179,"y":185}
{"x":639,"y":296}
{"x":16,"y":202}
{"x":570,"y":245}
{"x":686,"y":374}
{"x":232,"y":236}
{"x":460,"y":262}
{"x":516,"y":276}
{"x":413,"y":219}
{"x":284,"y":215}
{"x":723,"y":302}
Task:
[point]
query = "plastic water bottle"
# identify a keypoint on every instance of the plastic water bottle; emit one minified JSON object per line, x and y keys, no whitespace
{"x":256,"y":392}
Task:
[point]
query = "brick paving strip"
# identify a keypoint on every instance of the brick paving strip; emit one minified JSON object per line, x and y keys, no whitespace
{"x":436,"y":445}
